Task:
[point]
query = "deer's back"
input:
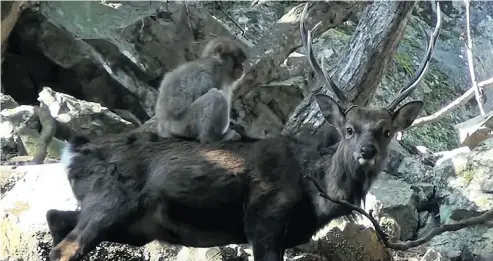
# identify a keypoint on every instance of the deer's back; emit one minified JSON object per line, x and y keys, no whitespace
{"x":194,"y":173}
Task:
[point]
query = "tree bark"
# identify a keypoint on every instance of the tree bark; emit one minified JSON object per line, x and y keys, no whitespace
{"x":284,"y":37}
{"x":11,"y":10}
{"x":361,"y":69}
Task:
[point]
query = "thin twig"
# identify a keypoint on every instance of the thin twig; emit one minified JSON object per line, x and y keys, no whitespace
{"x":243,"y":31}
{"x":405,"y":245}
{"x":474,"y":221}
{"x":477,"y":92}
{"x":384,"y":237}
{"x":451,"y":106}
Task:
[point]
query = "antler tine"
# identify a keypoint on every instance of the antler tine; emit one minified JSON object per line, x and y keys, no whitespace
{"x":306,"y":38}
{"x":423,"y":68}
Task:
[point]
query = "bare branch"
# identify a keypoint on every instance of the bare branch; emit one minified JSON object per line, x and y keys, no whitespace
{"x":47,"y":132}
{"x":377,"y":35}
{"x":474,"y":221}
{"x":483,"y":219}
{"x":384,"y":237}
{"x":306,"y":37}
{"x":453,"y":105}
{"x":283,"y":38}
{"x":477,"y":92}
{"x":423,"y":68}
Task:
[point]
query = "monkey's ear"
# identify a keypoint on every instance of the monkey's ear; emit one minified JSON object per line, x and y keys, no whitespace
{"x":220,"y":48}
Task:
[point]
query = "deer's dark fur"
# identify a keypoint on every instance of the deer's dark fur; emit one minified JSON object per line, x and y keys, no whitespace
{"x":135,"y":188}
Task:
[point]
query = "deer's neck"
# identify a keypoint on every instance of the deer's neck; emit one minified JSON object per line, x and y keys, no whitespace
{"x":343,"y":178}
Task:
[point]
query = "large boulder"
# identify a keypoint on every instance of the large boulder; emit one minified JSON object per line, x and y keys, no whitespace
{"x":80,"y":117}
{"x":466,"y":194}
{"x":23,"y":229}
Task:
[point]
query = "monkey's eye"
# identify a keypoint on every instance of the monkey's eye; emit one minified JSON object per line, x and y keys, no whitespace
{"x":349,"y":131}
{"x":386,"y":133}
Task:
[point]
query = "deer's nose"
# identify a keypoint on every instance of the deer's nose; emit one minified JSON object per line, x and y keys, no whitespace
{"x":368,"y":151}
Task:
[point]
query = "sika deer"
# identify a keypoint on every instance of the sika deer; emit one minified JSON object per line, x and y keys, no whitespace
{"x":136,"y":188}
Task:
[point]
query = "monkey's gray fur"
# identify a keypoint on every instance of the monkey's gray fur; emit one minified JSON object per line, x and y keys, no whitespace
{"x":194,"y":99}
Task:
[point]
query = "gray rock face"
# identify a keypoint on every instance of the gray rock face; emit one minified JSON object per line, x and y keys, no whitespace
{"x":433,"y":255}
{"x":7,"y":102}
{"x":463,"y":198}
{"x":103,"y":63}
{"x":13,"y":121}
{"x":401,"y":201}
{"x":83,"y":118}
{"x":24,"y":233}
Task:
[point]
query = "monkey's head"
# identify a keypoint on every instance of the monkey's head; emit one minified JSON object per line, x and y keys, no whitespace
{"x":231,"y":52}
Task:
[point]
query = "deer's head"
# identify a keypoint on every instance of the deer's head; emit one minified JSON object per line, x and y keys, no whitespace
{"x":366,"y":132}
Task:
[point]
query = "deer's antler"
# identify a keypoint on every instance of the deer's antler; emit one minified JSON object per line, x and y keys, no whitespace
{"x":423,"y":68}
{"x":322,"y":75}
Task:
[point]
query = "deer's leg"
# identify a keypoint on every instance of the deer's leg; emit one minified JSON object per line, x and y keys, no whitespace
{"x":60,"y":223}
{"x":99,"y":215}
{"x":266,"y":227}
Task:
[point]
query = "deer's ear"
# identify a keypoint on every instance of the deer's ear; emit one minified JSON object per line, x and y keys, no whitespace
{"x":405,"y":115}
{"x":330,"y":109}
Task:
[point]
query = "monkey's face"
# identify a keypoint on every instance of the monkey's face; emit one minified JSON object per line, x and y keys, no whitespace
{"x":238,"y":65}
{"x":234,"y":56}
{"x":231,"y":52}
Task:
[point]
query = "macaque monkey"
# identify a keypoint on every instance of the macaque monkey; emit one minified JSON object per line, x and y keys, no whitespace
{"x":194,"y":99}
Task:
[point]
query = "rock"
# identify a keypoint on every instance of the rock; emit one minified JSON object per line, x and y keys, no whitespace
{"x":200,"y":254}
{"x":112,"y":56}
{"x":30,"y":139}
{"x":423,"y":193}
{"x":84,"y":118}
{"x":423,"y":218}
{"x":23,"y":228}
{"x":466,"y":179}
{"x":236,"y":253}
{"x":391,"y":228}
{"x":399,"y":202}
{"x":354,"y":242}
{"x":396,"y":154}
{"x":475,"y":130}
{"x":427,"y":222}
{"x":20,"y":117}
{"x":432,"y":255}
{"x":413,"y":171}
{"x":7,"y":102}
{"x":264,"y":111}
{"x":12,"y":121}
{"x":8,"y":177}
{"x":454,"y":244}
{"x":19,"y":133}
{"x":463,"y":198}
{"x":483,"y":247}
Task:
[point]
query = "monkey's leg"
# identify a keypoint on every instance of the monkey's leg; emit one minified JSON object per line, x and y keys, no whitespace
{"x":60,"y":223}
{"x":210,"y":112}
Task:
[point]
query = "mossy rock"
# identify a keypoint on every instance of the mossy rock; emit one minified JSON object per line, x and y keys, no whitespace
{"x":30,"y":138}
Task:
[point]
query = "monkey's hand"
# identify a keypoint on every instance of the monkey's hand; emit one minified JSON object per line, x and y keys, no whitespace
{"x":231,"y":135}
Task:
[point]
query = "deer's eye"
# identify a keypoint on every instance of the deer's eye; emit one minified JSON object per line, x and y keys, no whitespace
{"x":349,"y":130}
{"x":386,"y":133}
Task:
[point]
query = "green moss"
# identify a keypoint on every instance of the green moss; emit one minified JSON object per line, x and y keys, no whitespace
{"x":467,"y":175}
{"x":404,"y":61}
{"x":434,"y":90}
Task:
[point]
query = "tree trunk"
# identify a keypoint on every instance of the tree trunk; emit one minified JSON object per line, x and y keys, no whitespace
{"x":11,"y":11}
{"x":373,"y":44}
{"x":284,"y":37}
